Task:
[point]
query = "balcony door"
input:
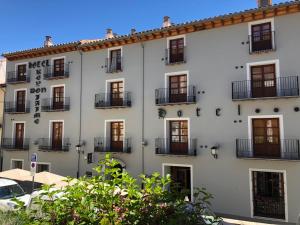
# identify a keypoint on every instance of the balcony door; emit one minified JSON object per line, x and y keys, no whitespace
{"x":21,"y":72}
{"x":21,"y":101}
{"x":57,"y":135}
{"x":117,"y":136}
{"x":176,"y":50}
{"x":58,"y":98}
{"x":268,"y":194}
{"x":178,"y":88}
{"x":181,"y":180}
{"x":115,"y":61}
{"x":19,"y":135}
{"x":262,"y":37}
{"x":117,"y":93}
{"x":58,"y":67}
{"x":266,"y":138}
{"x":263,"y":81}
{"x":179,"y":137}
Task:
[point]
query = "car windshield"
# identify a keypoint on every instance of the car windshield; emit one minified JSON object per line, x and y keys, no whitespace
{"x":11,"y":191}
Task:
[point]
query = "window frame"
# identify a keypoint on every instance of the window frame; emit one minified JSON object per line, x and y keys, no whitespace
{"x":13,"y":159}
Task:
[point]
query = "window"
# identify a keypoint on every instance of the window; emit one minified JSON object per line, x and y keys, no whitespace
{"x":263,"y":81}
{"x":21,"y":72}
{"x":268,"y":194}
{"x":20,"y":101}
{"x":41,"y":167}
{"x":178,"y":134}
{"x":57,"y":135}
{"x":116,"y":93}
{"x":58,"y":67}
{"x":19,"y":135}
{"x":115,"y":61}
{"x":178,"y":88}
{"x":266,"y":137}
{"x":58,"y":98}
{"x":116,"y":136}
{"x":261,"y":37}
{"x":16,"y":164}
{"x":176,"y":50}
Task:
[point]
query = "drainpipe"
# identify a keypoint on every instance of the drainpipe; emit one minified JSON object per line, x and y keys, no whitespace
{"x":79,"y":146}
{"x":143,"y":107}
{"x":2,"y":132}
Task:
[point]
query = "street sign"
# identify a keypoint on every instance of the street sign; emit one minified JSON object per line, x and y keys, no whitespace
{"x":33,"y":164}
{"x":34,"y":157}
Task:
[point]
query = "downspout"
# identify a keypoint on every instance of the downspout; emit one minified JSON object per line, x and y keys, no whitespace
{"x":80,"y":117}
{"x":2,"y":132}
{"x":143,"y":107}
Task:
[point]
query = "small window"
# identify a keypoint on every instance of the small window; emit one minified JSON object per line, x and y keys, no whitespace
{"x":178,"y":88}
{"x":20,"y":101}
{"x":58,"y":98}
{"x":17,"y":164}
{"x":58,"y":67}
{"x":116,"y":93}
{"x":114,"y":61}
{"x":21,"y":72}
{"x":176,"y":51}
{"x":41,"y":167}
{"x":262,"y":37}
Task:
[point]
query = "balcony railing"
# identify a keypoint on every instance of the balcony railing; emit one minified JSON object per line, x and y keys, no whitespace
{"x":50,"y":73}
{"x":166,"y":96}
{"x":54,"y":105}
{"x":114,"y":66}
{"x":269,"y":207}
{"x":13,"y":144}
{"x":178,"y":58}
{"x":112,"y":100}
{"x":106,"y":145}
{"x":163,"y":146}
{"x":13,"y":77}
{"x":15,"y":108}
{"x":280,"y":87}
{"x":48,"y":144}
{"x":287,"y":149}
{"x":266,"y":44}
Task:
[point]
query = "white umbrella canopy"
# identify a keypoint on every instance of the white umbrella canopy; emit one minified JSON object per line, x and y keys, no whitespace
{"x":48,"y":178}
{"x":16,"y":174}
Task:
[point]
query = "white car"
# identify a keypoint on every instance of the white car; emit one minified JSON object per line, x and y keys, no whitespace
{"x":10,"y":189}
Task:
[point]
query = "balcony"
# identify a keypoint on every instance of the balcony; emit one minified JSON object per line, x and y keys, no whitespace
{"x":13,"y":77}
{"x":265,"y":42}
{"x":114,"y":66}
{"x":287,"y":149}
{"x":103,"y":145}
{"x":166,"y":96}
{"x":50,"y":145}
{"x":112,"y":100}
{"x":173,"y":59}
{"x":282,"y":87}
{"x":163,"y":146}
{"x":55,"y":105}
{"x":51,"y":74}
{"x":13,"y":144}
{"x":15,"y":108}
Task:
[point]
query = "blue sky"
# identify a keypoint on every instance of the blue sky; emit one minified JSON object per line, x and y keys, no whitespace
{"x":24,"y":23}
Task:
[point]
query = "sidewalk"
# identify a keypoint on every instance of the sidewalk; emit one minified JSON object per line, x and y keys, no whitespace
{"x":242,"y":222}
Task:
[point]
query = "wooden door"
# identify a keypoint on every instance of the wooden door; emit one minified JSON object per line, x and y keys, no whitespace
{"x":117,"y":136}
{"x":266,"y":138}
{"x":179,"y":137}
{"x":262,"y":37}
{"x":115,"y":60}
{"x":181,"y":180}
{"x":58,"y":67}
{"x":21,"y":72}
{"x":176,"y":50}
{"x":268,"y":194}
{"x":57,"y":134}
{"x":21,"y":101}
{"x":58,"y":98}
{"x":263,"y":81}
{"x":19,"y":135}
{"x":178,"y":88}
{"x":117,"y":93}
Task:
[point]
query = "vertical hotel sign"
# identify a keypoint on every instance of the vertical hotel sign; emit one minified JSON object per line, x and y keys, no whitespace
{"x":37,"y":89}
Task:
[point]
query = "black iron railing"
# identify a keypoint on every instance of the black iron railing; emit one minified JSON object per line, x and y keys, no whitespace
{"x":55,"y":104}
{"x":12,"y":77}
{"x":49,"y":144}
{"x":15,"y":144}
{"x":279,"y":87}
{"x":15,"y":107}
{"x":164,"y":146}
{"x":166,"y":96}
{"x":178,"y":58}
{"x":287,"y":149}
{"x":102,"y":144}
{"x":114,"y":65}
{"x":113,"y":100}
{"x":265,"y":41}
{"x":51,"y":73}
{"x":269,"y":207}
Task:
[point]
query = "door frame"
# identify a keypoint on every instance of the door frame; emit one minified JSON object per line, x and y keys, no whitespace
{"x":15,"y":96}
{"x":168,"y":75}
{"x":22,"y":63}
{"x":181,"y":165}
{"x":285,"y":192}
{"x":51,"y":127}
{"x":107,"y":132}
{"x":107,"y":86}
{"x":261,"y":63}
{"x":14,"y":129}
{"x":52,"y":63}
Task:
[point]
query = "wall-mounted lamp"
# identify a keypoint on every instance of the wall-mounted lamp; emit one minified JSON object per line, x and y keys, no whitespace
{"x":214,"y":151}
